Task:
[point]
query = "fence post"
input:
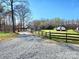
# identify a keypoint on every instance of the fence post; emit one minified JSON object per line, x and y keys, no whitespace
{"x":38,"y":33}
{"x":45,"y":34}
{"x":49,"y":35}
{"x":35,"y":33}
{"x":66,"y":37}
{"x":41,"y":33}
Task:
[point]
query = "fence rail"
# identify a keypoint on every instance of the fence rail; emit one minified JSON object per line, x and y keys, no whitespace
{"x":64,"y":36}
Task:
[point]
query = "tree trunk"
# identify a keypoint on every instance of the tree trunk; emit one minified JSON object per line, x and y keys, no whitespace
{"x":13,"y":21}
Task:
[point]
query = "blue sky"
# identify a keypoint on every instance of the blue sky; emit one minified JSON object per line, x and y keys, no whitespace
{"x":66,"y":9}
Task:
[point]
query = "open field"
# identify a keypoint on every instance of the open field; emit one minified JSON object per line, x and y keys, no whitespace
{"x":70,"y":36}
{"x":5,"y":36}
{"x":68,"y":31}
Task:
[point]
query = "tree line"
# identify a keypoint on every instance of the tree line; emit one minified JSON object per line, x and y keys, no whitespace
{"x":13,"y":14}
{"x":53,"y":23}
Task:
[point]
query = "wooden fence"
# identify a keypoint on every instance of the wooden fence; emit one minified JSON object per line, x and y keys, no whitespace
{"x":64,"y":36}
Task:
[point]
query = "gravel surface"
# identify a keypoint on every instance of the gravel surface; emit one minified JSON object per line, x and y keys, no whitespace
{"x":26,"y":46}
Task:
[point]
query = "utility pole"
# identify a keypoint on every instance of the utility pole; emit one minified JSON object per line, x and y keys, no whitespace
{"x":13,"y":21}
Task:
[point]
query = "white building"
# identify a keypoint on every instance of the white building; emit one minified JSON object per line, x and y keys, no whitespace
{"x":61,"y":28}
{"x":77,"y":29}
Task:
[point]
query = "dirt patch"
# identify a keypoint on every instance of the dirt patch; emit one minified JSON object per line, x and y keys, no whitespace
{"x":50,"y":41}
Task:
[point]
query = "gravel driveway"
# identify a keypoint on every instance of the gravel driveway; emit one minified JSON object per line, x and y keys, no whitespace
{"x":26,"y":46}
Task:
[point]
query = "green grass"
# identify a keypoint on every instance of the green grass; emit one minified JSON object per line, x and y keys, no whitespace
{"x":68,"y":31}
{"x":60,"y":37}
{"x":6,"y":35}
{"x":54,"y":31}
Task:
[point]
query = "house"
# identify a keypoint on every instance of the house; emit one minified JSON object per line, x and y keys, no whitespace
{"x":61,"y":28}
{"x":77,"y":29}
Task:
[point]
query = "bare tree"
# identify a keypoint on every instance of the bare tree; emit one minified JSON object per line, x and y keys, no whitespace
{"x":10,"y":5}
{"x":23,"y":12}
{"x":1,"y":12}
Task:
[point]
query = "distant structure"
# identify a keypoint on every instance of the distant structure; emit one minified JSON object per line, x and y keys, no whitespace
{"x":77,"y":29}
{"x":61,"y":28}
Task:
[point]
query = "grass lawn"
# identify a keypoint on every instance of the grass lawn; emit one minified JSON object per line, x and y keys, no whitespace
{"x":68,"y":31}
{"x":54,"y":31}
{"x":61,"y":37}
{"x":6,"y":36}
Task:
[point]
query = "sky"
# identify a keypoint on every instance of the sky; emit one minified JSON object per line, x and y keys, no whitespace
{"x":66,"y":9}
